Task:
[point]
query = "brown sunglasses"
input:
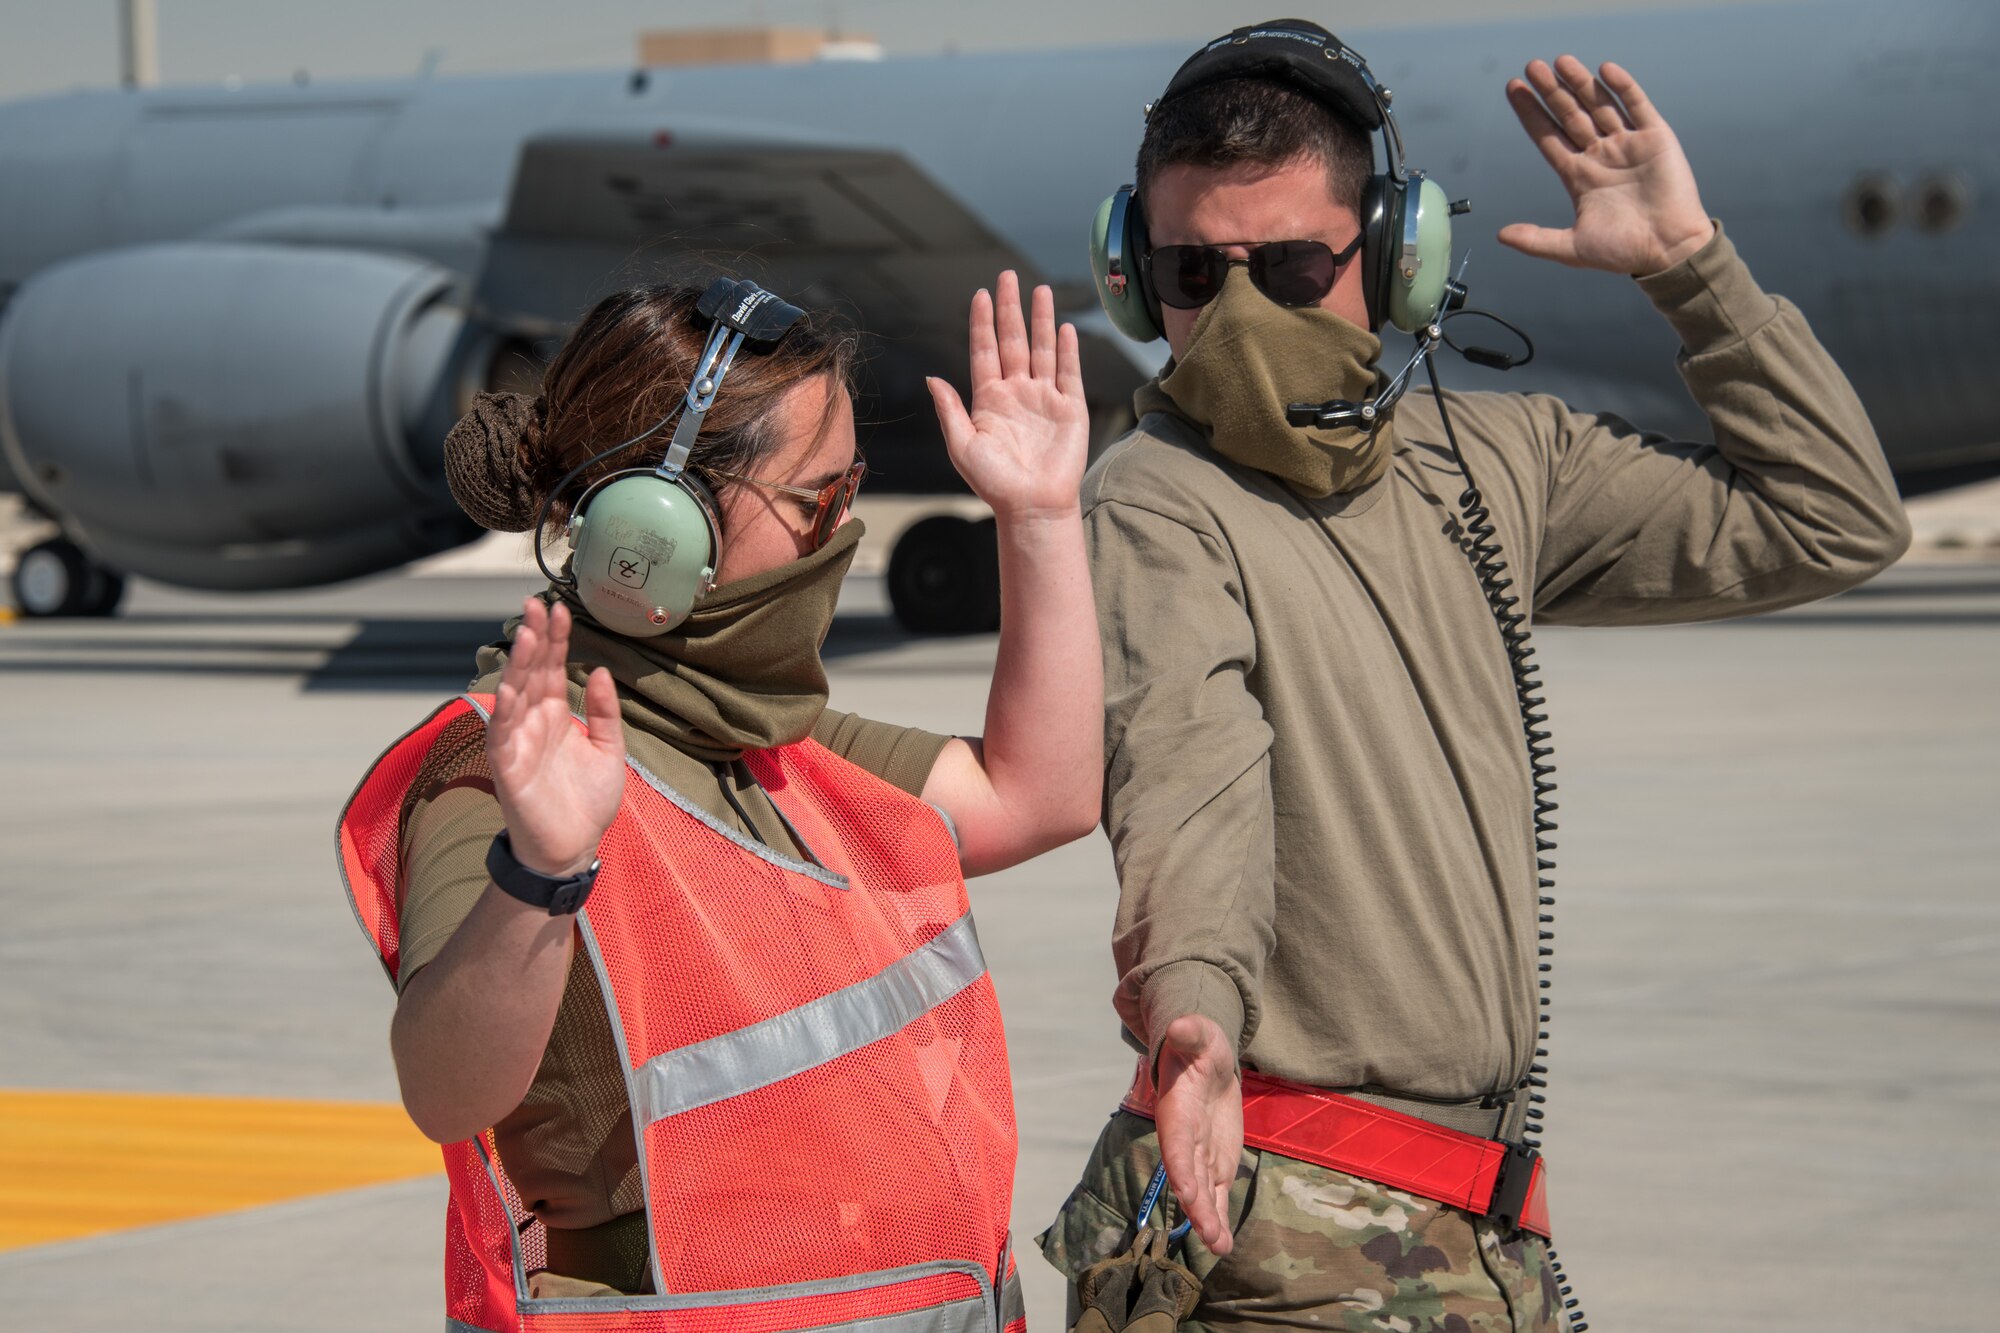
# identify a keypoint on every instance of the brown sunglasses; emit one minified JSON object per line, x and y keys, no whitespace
{"x":830,"y":502}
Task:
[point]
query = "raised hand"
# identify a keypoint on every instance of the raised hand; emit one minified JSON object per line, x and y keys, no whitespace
{"x":1637,"y":208}
{"x":558,"y":787}
{"x":1023,"y":446}
{"x":1199,"y":1113}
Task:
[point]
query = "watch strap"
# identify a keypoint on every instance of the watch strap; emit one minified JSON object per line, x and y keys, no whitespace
{"x":556,"y":896}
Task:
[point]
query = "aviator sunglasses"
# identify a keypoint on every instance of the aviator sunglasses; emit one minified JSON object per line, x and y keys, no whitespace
{"x":1292,"y":273}
{"x":830,"y":502}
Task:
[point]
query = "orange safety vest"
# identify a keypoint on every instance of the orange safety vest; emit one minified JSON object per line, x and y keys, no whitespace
{"x":813,"y":1053}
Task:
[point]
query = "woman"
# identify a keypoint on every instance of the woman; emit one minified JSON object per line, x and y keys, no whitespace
{"x":774,"y":963}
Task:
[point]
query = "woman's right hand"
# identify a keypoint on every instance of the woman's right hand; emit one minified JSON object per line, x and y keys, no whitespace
{"x":1023,"y":446}
{"x":558,"y":787}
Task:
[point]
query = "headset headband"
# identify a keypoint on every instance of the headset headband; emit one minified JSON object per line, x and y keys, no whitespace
{"x":1302,"y":56}
{"x":743,"y":312}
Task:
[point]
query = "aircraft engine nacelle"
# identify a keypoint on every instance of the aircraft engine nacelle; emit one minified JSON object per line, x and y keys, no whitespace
{"x":238,"y":415}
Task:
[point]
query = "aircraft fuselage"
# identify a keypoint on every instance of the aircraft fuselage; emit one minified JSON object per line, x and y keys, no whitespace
{"x":1841,"y":145}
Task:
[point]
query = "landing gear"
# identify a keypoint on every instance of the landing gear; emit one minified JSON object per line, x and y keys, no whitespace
{"x":944,"y":576}
{"x":56,"y":578}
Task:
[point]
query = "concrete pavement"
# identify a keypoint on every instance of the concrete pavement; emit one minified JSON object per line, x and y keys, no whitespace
{"x":1777,"y":1031}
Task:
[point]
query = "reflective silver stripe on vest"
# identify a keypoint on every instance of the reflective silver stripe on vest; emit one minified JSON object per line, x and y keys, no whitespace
{"x":588,"y":934}
{"x":971,"y":1315}
{"x":1013,"y":1305}
{"x":812,"y":1034}
{"x":969,"y":1311}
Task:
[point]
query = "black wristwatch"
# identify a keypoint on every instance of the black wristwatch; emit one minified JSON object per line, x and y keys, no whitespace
{"x":561,"y":897}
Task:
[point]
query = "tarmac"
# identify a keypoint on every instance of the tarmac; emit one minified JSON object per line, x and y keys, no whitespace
{"x":1777,"y":1006}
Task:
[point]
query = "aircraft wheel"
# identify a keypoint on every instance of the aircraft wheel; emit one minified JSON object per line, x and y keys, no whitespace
{"x":56,"y":578}
{"x":944,"y":576}
{"x":107,"y":591}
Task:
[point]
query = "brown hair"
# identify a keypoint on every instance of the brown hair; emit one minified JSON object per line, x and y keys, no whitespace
{"x":1255,"y":121}
{"x":627,"y":366}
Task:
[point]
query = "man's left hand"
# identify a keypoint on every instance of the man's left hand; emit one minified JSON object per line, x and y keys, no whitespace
{"x":1637,"y":208}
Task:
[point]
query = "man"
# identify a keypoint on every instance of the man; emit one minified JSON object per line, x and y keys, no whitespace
{"x":1318,"y":791}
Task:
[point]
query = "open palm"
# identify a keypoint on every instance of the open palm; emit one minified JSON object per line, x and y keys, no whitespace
{"x":1199,"y":1112}
{"x":558,"y":785}
{"x":1637,"y":208}
{"x":1023,"y":446}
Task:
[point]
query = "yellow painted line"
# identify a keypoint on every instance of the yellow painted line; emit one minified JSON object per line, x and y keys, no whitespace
{"x":7,"y":614}
{"x":78,"y":1164}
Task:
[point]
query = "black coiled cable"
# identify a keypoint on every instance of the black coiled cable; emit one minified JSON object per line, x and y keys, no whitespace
{"x":1490,"y":565}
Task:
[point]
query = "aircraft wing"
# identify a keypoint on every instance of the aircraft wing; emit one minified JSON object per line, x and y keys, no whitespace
{"x":864,"y":223}
{"x":857,"y":228}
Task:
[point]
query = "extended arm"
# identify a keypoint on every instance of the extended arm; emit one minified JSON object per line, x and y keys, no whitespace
{"x":1032,"y":782}
{"x":1793,"y":500}
{"x":1188,"y":805}
{"x":471,"y":1027}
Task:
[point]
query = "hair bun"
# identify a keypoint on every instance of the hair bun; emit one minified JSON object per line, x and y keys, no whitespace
{"x":491,"y":457}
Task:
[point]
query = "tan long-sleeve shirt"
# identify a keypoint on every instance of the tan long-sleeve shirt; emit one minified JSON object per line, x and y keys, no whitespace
{"x":1317,"y":790}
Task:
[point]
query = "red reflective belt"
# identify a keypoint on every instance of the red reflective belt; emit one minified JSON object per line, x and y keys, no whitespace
{"x":1487,"y":1177}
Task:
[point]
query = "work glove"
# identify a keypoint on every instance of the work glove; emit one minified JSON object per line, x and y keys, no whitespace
{"x":1139,"y":1291}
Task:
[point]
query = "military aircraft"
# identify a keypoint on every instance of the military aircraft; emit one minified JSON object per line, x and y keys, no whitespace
{"x":239,"y":321}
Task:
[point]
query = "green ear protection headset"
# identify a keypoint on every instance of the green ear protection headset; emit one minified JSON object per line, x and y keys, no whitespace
{"x":1405,"y":217}
{"x":645,"y":542}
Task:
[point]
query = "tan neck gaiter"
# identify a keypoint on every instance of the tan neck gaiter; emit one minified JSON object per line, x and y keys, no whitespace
{"x":742,"y":672}
{"x":1249,"y":358}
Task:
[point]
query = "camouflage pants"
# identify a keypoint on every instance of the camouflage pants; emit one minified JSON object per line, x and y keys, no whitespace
{"x":1317,"y":1249}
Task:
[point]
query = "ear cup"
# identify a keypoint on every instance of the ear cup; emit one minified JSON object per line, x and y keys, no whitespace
{"x":1377,"y":251}
{"x":1118,"y":249}
{"x":643,"y":549}
{"x":1421,"y":267}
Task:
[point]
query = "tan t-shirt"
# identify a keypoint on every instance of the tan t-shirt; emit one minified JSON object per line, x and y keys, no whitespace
{"x":569,"y":1146}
